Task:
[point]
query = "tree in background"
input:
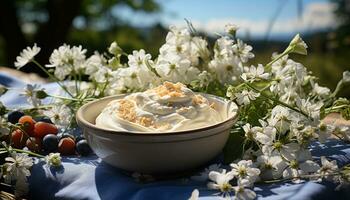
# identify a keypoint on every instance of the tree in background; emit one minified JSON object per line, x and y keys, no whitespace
{"x":49,"y":22}
{"x":342,"y":35}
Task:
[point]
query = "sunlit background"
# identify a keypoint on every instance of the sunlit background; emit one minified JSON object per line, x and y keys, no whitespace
{"x":267,"y":25}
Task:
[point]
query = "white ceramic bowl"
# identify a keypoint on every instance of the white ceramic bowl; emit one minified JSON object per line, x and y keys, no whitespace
{"x":157,"y":153}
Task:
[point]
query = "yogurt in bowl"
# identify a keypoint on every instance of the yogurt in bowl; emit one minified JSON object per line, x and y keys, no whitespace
{"x":167,"y":108}
{"x":163,"y":130}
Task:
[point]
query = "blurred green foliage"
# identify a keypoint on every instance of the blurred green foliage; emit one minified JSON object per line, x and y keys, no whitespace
{"x":43,"y":21}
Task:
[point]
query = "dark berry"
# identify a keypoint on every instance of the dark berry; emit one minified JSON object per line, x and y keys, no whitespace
{"x":80,"y":137}
{"x":43,"y":119}
{"x":83,"y":148}
{"x":14,"y":116}
{"x":50,"y":143}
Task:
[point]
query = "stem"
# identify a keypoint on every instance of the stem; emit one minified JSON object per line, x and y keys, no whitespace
{"x":337,"y":89}
{"x":286,"y":52}
{"x":298,"y":177}
{"x":76,"y":82}
{"x":23,"y":151}
{"x":52,"y":77}
{"x":39,"y":107}
{"x":29,"y":153}
{"x":62,"y":97}
{"x":336,"y":135}
{"x":104,"y":88}
{"x":334,"y":108}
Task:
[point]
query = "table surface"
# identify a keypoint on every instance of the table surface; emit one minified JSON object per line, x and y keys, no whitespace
{"x":89,"y":178}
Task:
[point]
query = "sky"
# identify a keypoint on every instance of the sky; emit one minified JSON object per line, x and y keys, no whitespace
{"x":252,"y":16}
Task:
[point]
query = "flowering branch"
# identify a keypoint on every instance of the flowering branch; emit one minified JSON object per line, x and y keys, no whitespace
{"x":52,"y":77}
{"x":277,"y":101}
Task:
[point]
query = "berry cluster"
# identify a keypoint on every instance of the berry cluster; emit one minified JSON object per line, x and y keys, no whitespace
{"x":41,"y":135}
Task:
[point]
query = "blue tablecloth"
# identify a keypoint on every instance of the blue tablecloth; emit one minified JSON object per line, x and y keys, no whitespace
{"x":89,"y":178}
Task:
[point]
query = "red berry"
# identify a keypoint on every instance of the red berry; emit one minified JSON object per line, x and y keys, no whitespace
{"x":42,"y":128}
{"x":18,"y":139}
{"x":34,"y":144}
{"x":66,"y":146}
{"x":28,"y":124}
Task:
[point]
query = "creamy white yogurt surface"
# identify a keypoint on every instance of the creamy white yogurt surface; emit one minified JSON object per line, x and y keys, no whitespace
{"x":166,"y":108}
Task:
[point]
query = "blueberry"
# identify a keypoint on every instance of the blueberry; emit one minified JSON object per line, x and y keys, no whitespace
{"x":83,"y":148}
{"x":14,"y":116}
{"x":50,"y":142}
{"x":43,"y":119}
{"x":80,"y":137}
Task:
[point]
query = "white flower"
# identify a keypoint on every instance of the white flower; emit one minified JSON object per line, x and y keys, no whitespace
{"x":246,"y":96}
{"x":250,"y":132}
{"x":26,"y":56}
{"x":31,"y":93}
{"x":242,"y":50}
{"x":4,"y":127}
{"x":289,"y":79}
{"x":342,"y":131}
{"x":133,"y":78}
{"x":53,"y":159}
{"x":179,"y":42}
{"x":253,"y":73}
{"x":304,"y":133}
{"x":265,"y":135}
{"x":176,"y":69}
{"x":204,"y":78}
{"x":324,"y":131}
{"x":60,"y":115}
{"x":287,"y":151}
{"x":320,"y":91}
{"x":66,"y":60}
{"x":310,"y":108}
{"x":223,"y":48}
{"x":138,"y":58}
{"x":281,"y":118}
{"x":177,"y":35}
{"x":227,"y":69}
{"x":114,"y":49}
{"x":102,"y":75}
{"x":231,"y":29}
{"x":199,"y":47}
{"x":301,"y":165}
{"x":242,"y":193}
{"x":93,"y":63}
{"x":327,"y":168}
{"x":17,"y":167}
{"x":346,"y":77}
{"x":221,"y":181}
{"x":298,"y":45}
{"x":295,"y":169}
{"x":245,"y":172}
{"x":194,"y":195}
{"x":271,"y":166}
{"x":204,"y":175}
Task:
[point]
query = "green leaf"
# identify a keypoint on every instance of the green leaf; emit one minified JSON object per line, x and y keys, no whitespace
{"x":234,"y":145}
{"x":345,"y":113}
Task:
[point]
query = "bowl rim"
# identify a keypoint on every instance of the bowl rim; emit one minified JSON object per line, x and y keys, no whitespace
{"x":80,"y":120}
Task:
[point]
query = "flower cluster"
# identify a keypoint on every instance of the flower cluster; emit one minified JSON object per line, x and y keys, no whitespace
{"x":16,"y":168}
{"x":281,"y":104}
